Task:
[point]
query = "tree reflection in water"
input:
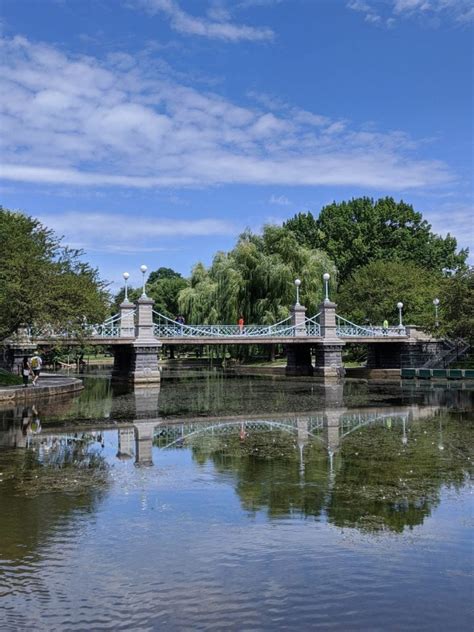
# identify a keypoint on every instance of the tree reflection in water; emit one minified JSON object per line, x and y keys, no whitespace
{"x":63,"y":477}
{"x":386,"y":476}
{"x":388,"y":480}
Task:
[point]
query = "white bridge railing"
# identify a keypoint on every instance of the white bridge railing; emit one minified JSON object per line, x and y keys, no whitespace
{"x":168,"y":328}
{"x":165,"y":327}
{"x":111,"y":328}
{"x":344,"y":328}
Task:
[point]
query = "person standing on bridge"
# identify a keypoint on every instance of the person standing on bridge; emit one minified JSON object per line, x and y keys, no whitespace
{"x":36,"y":364}
{"x":385,"y":327}
{"x":241,"y":323}
{"x":180,"y":320}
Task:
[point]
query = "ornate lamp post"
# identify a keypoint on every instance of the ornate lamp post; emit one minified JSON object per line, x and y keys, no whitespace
{"x":436,"y":304}
{"x":143,"y":270}
{"x":126,"y":276}
{"x":326,"y":278}
{"x":400,"y":307}
{"x":297,"y":285}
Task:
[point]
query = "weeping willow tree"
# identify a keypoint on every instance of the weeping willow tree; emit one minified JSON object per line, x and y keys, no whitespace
{"x":256,"y":280}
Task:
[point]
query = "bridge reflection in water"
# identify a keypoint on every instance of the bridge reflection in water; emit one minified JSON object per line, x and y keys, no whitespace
{"x":327,"y":427}
{"x":303,"y":499}
{"x":344,"y":462}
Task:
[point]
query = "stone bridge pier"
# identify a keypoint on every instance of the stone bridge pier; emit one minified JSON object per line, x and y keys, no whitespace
{"x":126,"y":443}
{"x":145,"y":402}
{"x":137,"y":362}
{"x":144,"y":442}
{"x":137,"y":442}
{"x":298,"y":355}
{"x":328,"y":351}
{"x":332,"y":429}
{"x":414,"y":352}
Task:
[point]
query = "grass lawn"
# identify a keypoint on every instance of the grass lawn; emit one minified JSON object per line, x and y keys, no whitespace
{"x":9,"y":379}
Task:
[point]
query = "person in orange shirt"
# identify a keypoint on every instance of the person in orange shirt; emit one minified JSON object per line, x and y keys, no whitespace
{"x":241,"y":324}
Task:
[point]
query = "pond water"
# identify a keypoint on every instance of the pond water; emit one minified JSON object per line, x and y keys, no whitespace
{"x":222,"y":502}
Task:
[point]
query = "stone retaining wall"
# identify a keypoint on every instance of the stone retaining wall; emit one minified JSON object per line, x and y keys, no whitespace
{"x":48,"y":385}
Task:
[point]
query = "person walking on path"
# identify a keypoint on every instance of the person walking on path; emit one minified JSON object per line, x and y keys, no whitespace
{"x":241,"y":323}
{"x":36,"y":364}
{"x":385,"y":327}
{"x":25,"y":371}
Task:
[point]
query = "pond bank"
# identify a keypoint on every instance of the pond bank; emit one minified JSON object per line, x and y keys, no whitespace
{"x":48,"y":385}
{"x":360,"y":373}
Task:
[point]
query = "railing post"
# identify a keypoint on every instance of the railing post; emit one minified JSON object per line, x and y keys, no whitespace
{"x":327,"y":321}
{"x":144,"y":320}
{"x":127,"y":321}
{"x":298,"y":317}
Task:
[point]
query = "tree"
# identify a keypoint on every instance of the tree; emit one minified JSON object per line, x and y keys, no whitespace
{"x":457,"y":305}
{"x":163,"y":273}
{"x":372,"y":292}
{"x":305,"y":228}
{"x":42,"y":281}
{"x":164,"y":290}
{"x":256,"y":279}
{"x":362,"y":230}
{"x":163,"y":286}
{"x":402,"y":483}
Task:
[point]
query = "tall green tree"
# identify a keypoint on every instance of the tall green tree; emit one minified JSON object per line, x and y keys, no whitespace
{"x":362,"y":230}
{"x":456,"y":308}
{"x":42,"y":281}
{"x":164,"y":290}
{"x":256,"y":279}
{"x":372,"y":292}
{"x":163,"y":286}
{"x":163,"y":273}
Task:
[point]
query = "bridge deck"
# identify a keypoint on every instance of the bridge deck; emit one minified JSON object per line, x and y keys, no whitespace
{"x":225,"y":340}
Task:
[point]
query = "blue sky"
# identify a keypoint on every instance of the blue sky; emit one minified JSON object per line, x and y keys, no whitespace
{"x":155,"y":131}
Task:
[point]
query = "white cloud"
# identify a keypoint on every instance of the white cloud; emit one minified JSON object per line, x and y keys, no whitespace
{"x":456,"y":219}
{"x":279,"y":200}
{"x":127,"y":227}
{"x":123,"y":123}
{"x":459,"y":11}
{"x":370,"y":15}
{"x":132,"y":233}
{"x":216,"y":26}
